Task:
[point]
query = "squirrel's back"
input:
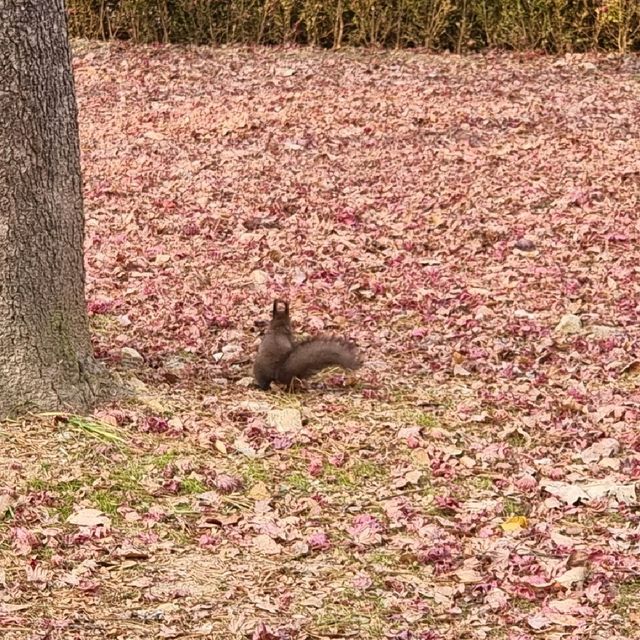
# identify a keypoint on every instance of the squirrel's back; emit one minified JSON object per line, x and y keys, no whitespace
{"x":275,"y":347}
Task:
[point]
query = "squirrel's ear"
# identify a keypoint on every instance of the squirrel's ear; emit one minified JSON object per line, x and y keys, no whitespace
{"x":275,"y":307}
{"x":286,"y":308}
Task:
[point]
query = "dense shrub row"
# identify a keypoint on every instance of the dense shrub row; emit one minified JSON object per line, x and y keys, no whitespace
{"x":456,"y":25}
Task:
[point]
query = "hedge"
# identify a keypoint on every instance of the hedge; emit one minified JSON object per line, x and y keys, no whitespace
{"x":454,"y":25}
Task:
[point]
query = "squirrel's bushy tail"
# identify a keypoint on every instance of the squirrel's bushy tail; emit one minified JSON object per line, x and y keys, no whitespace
{"x":316,"y":354}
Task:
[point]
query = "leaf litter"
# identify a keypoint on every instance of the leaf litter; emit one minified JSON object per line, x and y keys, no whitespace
{"x":472,"y":223}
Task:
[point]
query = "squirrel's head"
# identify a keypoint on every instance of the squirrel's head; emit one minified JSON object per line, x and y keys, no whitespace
{"x":280,"y":316}
{"x":280,"y":308}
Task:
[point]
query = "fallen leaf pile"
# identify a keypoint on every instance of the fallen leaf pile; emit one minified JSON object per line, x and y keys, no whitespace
{"x":472,"y":222}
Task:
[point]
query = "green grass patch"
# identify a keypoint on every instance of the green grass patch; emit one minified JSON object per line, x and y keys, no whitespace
{"x":514,"y":507}
{"x":129,"y":477}
{"x":163,"y":460}
{"x":299,"y":481}
{"x":427,"y":421}
{"x":483,"y":483}
{"x":107,"y":501}
{"x":256,"y":471}
{"x":190,"y":486}
{"x":382,"y":558}
{"x":363,"y":470}
{"x":628,"y":596}
{"x":37,"y":484}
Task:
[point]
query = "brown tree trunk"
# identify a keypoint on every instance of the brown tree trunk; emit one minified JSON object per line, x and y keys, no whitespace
{"x":45,"y":351}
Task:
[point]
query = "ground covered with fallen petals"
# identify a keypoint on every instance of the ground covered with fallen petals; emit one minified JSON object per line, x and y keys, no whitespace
{"x":472,"y":222}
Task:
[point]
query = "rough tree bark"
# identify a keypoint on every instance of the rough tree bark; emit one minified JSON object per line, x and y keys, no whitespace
{"x":46,"y":360}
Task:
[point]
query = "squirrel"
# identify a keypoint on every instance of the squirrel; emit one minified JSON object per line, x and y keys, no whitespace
{"x":281,"y":358}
